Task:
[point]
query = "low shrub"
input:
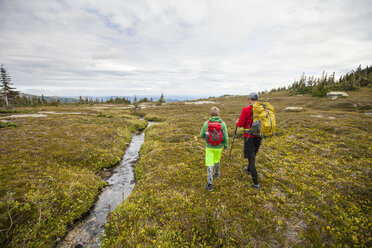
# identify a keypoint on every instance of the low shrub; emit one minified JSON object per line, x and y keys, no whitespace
{"x":7,"y":124}
{"x":154,"y":118}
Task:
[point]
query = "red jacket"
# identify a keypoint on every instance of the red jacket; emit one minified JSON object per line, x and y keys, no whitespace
{"x":245,"y":119}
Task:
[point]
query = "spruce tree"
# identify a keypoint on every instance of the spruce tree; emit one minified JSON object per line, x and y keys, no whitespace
{"x":7,"y":91}
{"x":43,"y":100}
{"x":136,"y":104}
{"x":161,"y":99}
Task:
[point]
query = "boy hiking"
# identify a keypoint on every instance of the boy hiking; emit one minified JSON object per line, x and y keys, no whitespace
{"x":251,"y":142}
{"x":215,"y":133}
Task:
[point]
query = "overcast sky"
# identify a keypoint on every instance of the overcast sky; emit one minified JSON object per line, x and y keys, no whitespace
{"x":178,"y":47}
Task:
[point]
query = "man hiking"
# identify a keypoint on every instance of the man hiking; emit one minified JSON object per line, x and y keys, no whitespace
{"x":251,"y":143}
{"x":215,"y":133}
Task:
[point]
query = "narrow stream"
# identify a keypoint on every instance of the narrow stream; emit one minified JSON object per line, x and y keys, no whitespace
{"x":89,"y":231}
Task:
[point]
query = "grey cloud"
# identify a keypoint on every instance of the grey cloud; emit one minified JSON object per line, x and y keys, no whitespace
{"x":179,"y":46}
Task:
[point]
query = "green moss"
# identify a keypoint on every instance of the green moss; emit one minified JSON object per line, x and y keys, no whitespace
{"x":49,"y":168}
{"x":315,"y":176}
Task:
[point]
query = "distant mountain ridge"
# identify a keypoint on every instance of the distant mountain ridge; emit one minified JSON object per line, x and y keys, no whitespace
{"x":71,"y":99}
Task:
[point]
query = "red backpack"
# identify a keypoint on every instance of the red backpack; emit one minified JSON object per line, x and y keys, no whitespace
{"x":214,"y":133}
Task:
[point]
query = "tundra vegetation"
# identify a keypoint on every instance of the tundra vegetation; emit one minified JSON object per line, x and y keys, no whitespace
{"x":51,"y":167}
{"x":315,"y":175}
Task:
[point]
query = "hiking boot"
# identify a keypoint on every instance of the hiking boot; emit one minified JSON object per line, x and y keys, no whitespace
{"x":216,"y":175}
{"x":256,"y":186}
{"x":246,"y":170}
{"x":209,"y":186}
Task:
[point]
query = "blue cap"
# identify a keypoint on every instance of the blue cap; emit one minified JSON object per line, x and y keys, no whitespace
{"x":253,"y":96}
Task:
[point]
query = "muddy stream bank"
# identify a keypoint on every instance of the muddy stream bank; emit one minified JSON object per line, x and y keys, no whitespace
{"x":88,"y":232}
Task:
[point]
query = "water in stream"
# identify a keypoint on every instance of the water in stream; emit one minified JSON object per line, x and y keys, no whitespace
{"x":89,"y":231}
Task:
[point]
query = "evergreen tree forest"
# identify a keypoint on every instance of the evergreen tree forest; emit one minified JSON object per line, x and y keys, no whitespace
{"x":319,"y":87}
{"x":23,"y":100}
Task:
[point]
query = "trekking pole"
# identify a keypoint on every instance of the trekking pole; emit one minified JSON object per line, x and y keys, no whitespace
{"x":232,"y":144}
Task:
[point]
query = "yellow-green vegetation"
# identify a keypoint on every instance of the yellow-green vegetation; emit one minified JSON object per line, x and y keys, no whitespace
{"x":315,"y":176}
{"x":50,"y":168}
{"x":154,"y":118}
{"x":4,"y":124}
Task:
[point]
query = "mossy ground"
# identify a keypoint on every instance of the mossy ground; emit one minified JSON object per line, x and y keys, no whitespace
{"x":315,"y":176}
{"x":50,"y":168}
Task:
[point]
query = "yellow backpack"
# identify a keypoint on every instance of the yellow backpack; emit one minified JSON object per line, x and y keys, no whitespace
{"x":264,"y":123}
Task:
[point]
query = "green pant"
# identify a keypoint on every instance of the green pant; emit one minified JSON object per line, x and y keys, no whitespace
{"x":212,"y":156}
{"x":212,"y":159}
